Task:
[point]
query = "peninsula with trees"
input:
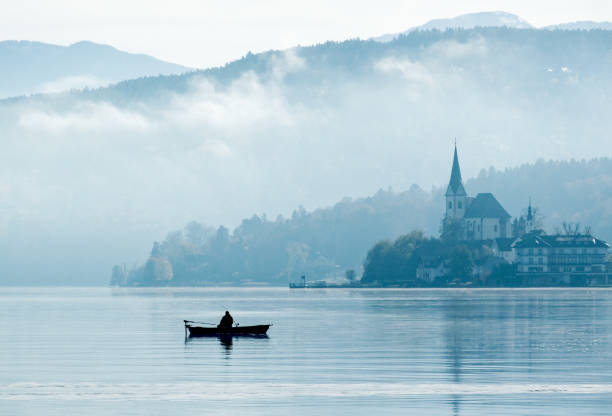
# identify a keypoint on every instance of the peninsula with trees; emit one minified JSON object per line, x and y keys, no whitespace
{"x":366,"y":242}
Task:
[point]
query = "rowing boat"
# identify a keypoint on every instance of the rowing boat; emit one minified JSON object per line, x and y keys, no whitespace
{"x":203,"y":331}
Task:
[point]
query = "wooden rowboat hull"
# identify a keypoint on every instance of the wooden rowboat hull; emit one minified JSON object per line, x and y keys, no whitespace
{"x":201,"y":331}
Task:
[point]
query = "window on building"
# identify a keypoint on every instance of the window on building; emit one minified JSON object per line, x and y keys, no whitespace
{"x":540,"y":260}
{"x":531,"y":252}
{"x":539,"y":252}
{"x":495,"y":228}
{"x":478,"y":227}
{"x":450,"y":205}
{"x":459,"y":205}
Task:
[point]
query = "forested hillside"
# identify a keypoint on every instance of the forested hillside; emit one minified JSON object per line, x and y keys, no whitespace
{"x":326,"y":242}
{"x":95,"y":175}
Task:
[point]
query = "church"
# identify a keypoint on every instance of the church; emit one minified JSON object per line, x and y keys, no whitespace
{"x":482,"y":217}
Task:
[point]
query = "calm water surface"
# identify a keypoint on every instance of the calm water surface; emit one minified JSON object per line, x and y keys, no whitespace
{"x":336,"y":351}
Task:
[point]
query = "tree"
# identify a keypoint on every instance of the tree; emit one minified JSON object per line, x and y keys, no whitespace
{"x":519,"y":225}
{"x":197,"y":234}
{"x":452,"y":230}
{"x":394,"y":261}
{"x":571,"y":228}
{"x":173,"y":247}
{"x":461,"y":264}
{"x":220,"y":242}
{"x":350,"y":275}
{"x":377,"y":263}
{"x":156,"y":250}
{"x":158,"y":269}
{"x":118,"y":276}
{"x":538,"y":219}
{"x":503,"y":274}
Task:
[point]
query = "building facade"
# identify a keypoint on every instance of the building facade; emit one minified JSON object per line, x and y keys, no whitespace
{"x":428,"y":271}
{"x":482,"y":217}
{"x":558,"y":258}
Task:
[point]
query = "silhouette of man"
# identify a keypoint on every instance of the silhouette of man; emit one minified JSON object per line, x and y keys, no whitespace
{"x":227,"y":321}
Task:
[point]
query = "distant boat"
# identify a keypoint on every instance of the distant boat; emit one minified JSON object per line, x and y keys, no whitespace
{"x":203,"y":331}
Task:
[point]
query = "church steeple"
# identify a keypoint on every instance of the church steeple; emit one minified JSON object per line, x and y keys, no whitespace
{"x":456,"y":197}
{"x":455,"y":185}
{"x":529,"y":213}
{"x":529,"y":223}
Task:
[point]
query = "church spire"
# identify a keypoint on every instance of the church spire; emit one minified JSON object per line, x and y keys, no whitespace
{"x":529,"y":225}
{"x":455,"y":185}
{"x":529,"y":213}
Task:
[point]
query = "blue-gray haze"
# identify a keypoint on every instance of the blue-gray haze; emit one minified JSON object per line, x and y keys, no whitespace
{"x":36,"y":67}
{"x":89,"y":179}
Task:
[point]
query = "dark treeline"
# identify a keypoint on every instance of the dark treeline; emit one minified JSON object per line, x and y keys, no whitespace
{"x":326,"y":242}
{"x":396,"y":262}
{"x":320,"y":243}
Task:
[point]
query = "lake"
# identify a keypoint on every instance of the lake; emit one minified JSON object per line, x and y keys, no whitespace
{"x":103,"y":351}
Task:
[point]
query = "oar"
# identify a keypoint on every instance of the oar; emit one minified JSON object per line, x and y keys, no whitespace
{"x":198,"y":322}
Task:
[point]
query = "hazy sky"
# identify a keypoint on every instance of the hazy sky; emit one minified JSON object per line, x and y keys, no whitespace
{"x":202,"y":33}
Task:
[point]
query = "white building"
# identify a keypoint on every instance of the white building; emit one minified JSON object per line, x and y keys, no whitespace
{"x":482,"y":217}
{"x":429,"y":271}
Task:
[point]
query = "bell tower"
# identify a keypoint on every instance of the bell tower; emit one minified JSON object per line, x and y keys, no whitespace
{"x":456,"y":197}
{"x":529,"y":225}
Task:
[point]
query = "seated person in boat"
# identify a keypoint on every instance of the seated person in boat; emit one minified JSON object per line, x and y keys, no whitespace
{"x":227,"y":321}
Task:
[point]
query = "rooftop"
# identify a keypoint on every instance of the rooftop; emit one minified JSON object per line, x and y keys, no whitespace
{"x":486,"y":206}
{"x":455,"y":185}
{"x":533,"y":240}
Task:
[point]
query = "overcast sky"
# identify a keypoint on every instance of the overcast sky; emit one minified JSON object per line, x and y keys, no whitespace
{"x":203,"y":33}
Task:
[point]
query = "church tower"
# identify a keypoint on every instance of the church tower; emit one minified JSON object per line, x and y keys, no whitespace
{"x":529,"y":226}
{"x":456,"y":197}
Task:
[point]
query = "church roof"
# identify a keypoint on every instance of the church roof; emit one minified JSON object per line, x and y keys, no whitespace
{"x":486,"y":206}
{"x":455,"y":187}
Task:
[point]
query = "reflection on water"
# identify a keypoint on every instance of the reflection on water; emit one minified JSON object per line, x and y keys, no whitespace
{"x":226,"y":341}
{"x":359,"y":352}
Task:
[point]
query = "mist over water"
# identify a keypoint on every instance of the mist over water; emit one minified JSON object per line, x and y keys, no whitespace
{"x":460,"y":352}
